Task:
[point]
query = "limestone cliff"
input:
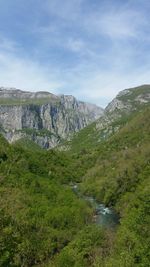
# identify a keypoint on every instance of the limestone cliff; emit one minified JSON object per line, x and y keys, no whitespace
{"x":42,"y":116}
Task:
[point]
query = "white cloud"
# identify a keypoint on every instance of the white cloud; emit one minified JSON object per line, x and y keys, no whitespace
{"x":114,"y":23}
{"x":103,"y":87}
{"x":26,"y":74}
{"x":83,"y":81}
{"x":97,"y":72}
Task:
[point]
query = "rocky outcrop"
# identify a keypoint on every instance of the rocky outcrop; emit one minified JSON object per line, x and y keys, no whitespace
{"x":129,"y":100}
{"x":126,"y":102}
{"x":43,"y":117}
{"x":118,"y":112}
{"x":17,"y":94}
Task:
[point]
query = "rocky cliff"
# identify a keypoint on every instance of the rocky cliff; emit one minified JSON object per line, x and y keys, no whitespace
{"x":126,"y":102}
{"x":42,"y":116}
{"x":118,"y":112}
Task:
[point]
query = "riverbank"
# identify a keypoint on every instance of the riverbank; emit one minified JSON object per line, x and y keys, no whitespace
{"x":104,"y":216}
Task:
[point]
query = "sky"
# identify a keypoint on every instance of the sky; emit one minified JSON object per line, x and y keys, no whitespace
{"x":91,"y":49}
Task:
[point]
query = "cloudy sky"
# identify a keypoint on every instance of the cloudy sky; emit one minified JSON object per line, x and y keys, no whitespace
{"x":88,"y":48}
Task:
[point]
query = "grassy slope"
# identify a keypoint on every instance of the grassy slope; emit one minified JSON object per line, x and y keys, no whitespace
{"x":84,"y":139}
{"x":90,"y":137}
{"x":135,"y":92}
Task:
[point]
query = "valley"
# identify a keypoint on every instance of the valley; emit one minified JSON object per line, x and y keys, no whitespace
{"x":84,"y":202}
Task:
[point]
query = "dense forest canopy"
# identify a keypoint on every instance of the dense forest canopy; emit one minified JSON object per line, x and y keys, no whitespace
{"x":44,"y":223}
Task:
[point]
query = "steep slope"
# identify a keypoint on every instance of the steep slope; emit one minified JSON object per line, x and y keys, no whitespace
{"x":39,"y":213}
{"x":43,"y":117}
{"x":121,"y":178}
{"x":117,"y":154}
{"x":117,"y":113}
{"x":43,"y":223}
{"x":126,"y":102}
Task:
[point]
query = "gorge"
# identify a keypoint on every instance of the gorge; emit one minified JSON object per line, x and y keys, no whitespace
{"x":42,"y":221}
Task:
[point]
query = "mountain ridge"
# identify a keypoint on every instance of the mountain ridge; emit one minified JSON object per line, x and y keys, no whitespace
{"x":117,"y":112}
{"x":42,"y":116}
{"x":45,"y":223}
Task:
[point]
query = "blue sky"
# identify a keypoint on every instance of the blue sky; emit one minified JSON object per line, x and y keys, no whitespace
{"x":88,"y":48}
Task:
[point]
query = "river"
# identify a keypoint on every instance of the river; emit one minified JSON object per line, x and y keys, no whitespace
{"x":103,"y":215}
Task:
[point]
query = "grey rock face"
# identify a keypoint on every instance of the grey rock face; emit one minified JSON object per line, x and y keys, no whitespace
{"x":47,"y":122}
{"x":12,"y":93}
{"x":116,"y":104}
{"x":125,"y":103}
{"x":115,"y":116}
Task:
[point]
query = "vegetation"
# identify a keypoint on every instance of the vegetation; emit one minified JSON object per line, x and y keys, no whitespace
{"x":39,"y":213}
{"x":89,"y":138}
{"x":120,"y":178}
{"x":134,"y":93}
{"x":43,"y":223}
{"x":39,"y":132}
{"x":27,"y":101}
{"x":91,"y":246}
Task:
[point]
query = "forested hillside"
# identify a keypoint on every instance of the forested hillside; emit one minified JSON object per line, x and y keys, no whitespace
{"x":39,"y":214}
{"x":44,"y":223}
{"x":74,"y":133}
{"x":121,"y":178}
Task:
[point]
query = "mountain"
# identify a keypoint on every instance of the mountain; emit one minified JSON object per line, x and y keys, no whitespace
{"x":43,"y":117}
{"x":44,"y":223}
{"x":120,"y":178}
{"x":122,"y":108}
